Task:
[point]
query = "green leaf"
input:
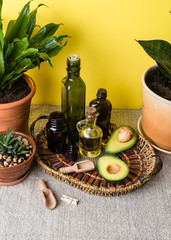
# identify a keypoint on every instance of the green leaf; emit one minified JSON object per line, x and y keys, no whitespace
{"x":31,"y":24}
{"x":50,"y":43}
{"x":19,"y":148}
{"x":16,"y":73}
{"x":8,"y":135}
{"x":12,"y":80}
{"x":17,"y":48}
{"x":46,"y":58}
{"x":8,"y":31}
{"x":2,"y":66}
{"x":43,"y":33}
{"x":9,"y":50}
{"x":53,"y":52}
{"x":159,"y":50}
{"x":1,"y":2}
{"x":32,"y":21}
{"x":27,"y":53}
{"x":22,"y":152}
{"x":166,"y":70}
{"x":17,"y":29}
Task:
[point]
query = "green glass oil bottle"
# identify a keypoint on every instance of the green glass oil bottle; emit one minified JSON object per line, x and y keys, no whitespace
{"x":73,"y":92}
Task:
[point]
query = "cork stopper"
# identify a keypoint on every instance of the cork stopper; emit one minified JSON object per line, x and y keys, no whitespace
{"x":91,"y":112}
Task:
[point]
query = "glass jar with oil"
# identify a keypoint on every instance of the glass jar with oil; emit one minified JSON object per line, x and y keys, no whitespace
{"x":90,"y":135}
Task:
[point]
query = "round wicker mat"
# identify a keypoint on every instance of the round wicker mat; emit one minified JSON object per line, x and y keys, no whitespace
{"x":141,"y":159}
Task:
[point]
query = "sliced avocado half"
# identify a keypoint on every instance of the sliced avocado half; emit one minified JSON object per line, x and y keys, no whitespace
{"x":112,"y":168}
{"x":115,"y":146}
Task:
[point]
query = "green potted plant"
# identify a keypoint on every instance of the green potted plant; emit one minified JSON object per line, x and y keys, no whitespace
{"x":156,"y":81}
{"x":21,"y":50}
{"x":17,"y":151}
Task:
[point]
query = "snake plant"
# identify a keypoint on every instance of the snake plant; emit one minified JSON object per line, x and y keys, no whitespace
{"x":160,"y":51}
{"x":21,"y":49}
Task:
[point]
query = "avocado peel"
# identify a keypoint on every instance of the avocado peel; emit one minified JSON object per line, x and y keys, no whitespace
{"x":112,"y":168}
{"x":122,"y":139}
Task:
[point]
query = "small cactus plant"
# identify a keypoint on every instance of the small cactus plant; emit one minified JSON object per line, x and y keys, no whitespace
{"x":12,"y":145}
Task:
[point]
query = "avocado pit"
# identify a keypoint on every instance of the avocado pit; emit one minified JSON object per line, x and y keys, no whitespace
{"x":113,"y":169}
{"x":124,"y":134}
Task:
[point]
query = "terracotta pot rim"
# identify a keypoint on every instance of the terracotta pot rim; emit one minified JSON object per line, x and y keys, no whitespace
{"x":25,"y":99}
{"x":32,"y":142}
{"x":149,"y":90}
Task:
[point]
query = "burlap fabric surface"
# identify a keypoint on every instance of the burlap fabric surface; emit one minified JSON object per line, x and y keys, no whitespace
{"x":143,"y":214}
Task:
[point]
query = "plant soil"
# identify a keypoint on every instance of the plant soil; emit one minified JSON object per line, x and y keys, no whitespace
{"x":19,"y":90}
{"x":158,"y":83}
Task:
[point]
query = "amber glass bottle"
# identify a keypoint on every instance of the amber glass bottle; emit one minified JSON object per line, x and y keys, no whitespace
{"x":56,"y":129}
{"x":73,"y":96}
{"x":104,"y":108}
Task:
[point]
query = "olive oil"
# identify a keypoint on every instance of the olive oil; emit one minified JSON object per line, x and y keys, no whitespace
{"x":90,"y":135}
{"x":73,"y":96}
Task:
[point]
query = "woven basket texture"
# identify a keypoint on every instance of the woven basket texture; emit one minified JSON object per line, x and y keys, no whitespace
{"x":140,"y":159}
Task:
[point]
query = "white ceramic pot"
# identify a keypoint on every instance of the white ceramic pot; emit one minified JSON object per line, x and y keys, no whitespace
{"x":156,"y":116}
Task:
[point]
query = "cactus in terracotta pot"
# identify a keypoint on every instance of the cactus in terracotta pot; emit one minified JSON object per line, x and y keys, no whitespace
{"x":17,"y":151}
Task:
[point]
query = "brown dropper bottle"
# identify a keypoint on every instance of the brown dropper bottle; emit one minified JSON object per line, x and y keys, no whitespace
{"x":104,"y":108}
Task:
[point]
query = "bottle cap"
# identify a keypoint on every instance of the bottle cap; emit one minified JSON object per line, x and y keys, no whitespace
{"x":73,"y":60}
{"x":101,"y":93}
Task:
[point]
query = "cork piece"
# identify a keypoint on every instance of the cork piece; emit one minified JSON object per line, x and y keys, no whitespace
{"x":68,"y":199}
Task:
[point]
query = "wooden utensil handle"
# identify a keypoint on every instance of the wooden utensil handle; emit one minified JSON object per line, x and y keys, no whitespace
{"x":41,"y":184}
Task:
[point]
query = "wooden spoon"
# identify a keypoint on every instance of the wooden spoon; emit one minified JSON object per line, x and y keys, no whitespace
{"x":47,"y":195}
{"x":78,"y":167}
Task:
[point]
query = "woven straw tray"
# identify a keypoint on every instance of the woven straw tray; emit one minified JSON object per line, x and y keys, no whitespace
{"x":142,"y":161}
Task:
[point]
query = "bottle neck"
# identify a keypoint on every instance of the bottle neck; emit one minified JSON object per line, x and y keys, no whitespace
{"x":101,"y":98}
{"x":73,"y":71}
{"x":91,"y":122}
{"x":57,"y":120}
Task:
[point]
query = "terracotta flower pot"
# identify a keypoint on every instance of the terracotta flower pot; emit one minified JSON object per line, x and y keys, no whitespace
{"x":156,"y":116}
{"x":15,"y":174}
{"x":15,"y":115}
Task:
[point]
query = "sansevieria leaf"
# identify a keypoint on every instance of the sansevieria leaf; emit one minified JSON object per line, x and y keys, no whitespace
{"x":159,"y":50}
{"x":166,"y":70}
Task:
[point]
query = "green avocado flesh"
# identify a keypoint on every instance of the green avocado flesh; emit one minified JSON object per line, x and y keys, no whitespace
{"x":114,"y":146}
{"x":112,"y":168}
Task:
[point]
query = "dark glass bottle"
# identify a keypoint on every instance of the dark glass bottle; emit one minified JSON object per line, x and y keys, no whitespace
{"x":73,"y":96}
{"x":72,"y":151}
{"x":104,"y":108}
{"x":56,"y":129}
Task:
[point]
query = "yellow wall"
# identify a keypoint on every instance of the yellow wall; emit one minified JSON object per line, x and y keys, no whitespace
{"x":103,"y":33}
